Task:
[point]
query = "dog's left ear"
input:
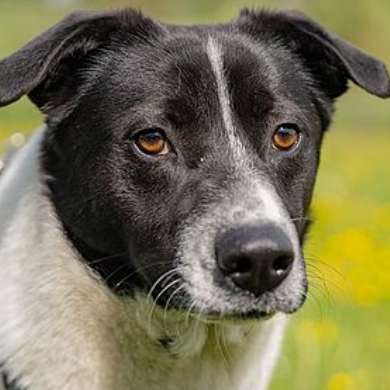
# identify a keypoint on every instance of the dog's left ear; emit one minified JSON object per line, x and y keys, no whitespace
{"x":331,"y":60}
{"x":48,"y":69}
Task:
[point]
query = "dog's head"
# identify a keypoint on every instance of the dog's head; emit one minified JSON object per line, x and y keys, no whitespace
{"x":181,"y":160}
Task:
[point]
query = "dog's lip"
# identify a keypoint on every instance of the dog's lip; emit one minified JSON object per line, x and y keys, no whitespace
{"x":215,"y":317}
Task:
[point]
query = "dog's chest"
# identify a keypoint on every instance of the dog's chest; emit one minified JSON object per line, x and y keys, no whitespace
{"x":220,"y":365}
{"x":199,"y":356}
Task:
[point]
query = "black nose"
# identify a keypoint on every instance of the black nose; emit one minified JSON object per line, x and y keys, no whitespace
{"x":255,"y":258}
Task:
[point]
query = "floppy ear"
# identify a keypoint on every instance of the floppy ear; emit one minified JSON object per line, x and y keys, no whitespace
{"x":41,"y":67}
{"x":331,"y":60}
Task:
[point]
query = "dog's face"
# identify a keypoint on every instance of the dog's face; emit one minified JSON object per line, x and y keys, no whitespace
{"x":181,"y":160}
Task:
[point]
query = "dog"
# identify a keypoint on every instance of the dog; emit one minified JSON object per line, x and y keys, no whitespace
{"x":151,"y":232}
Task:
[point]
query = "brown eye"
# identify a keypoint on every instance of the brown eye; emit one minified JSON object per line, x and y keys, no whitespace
{"x":152,"y":142}
{"x":286,"y":137}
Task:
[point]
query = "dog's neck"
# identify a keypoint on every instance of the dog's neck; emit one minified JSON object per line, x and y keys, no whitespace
{"x":64,"y":329}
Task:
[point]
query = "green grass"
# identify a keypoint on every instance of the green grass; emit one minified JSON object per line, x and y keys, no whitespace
{"x":340,"y":340}
{"x":336,"y":347}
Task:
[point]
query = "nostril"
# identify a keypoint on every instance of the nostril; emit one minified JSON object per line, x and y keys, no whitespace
{"x":236,"y":265}
{"x":281,"y":265}
{"x":243,"y":265}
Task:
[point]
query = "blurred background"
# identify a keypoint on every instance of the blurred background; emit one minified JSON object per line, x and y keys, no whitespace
{"x":341,"y":339}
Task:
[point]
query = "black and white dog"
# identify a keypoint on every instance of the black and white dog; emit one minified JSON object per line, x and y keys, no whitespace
{"x":151,"y":234}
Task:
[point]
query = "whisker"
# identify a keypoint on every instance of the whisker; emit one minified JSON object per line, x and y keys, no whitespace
{"x":315,"y":274}
{"x":315,"y":271}
{"x":121,"y":267}
{"x":225,"y":344}
{"x":312,"y":260}
{"x":155,"y":301}
{"x":301,"y":219}
{"x":189,"y":312}
{"x":197,"y":319}
{"x":148,"y":266}
{"x":101,"y":259}
{"x":160,"y":279}
{"x":311,"y":295}
{"x":220,"y":349}
{"x":166,"y":307}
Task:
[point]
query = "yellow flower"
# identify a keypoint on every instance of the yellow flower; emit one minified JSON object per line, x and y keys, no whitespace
{"x":341,"y":381}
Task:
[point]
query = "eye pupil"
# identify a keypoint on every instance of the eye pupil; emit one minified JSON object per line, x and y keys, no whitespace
{"x":151,"y":139}
{"x":285,"y":137}
{"x":152,"y":142}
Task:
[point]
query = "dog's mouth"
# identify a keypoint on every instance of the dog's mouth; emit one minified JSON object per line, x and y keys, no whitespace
{"x":237,"y":307}
{"x":237,"y":318}
{"x":185,"y":313}
{"x":232,"y":316}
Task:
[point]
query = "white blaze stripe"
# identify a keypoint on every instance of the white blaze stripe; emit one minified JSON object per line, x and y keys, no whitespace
{"x":214,"y":53}
{"x":272,"y":207}
{"x":257,"y":187}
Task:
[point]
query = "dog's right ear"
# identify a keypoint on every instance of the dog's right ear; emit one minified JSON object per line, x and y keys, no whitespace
{"x":41,"y":68}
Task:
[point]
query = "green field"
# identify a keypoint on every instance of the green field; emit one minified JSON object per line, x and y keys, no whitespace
{"x":341,"y":339}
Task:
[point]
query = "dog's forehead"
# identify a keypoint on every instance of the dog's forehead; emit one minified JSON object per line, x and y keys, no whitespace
{"x":219,"y":63}
{"x":199,"y":67}
{"x":181,"y":76}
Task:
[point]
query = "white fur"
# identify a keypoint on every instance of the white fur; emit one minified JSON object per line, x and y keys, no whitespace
{"x":214,"y":53}
{"x":61,"y":328}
